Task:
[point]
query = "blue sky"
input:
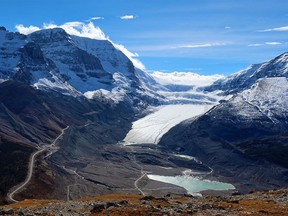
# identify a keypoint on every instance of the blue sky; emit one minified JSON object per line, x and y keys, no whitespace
{"x":203,"y":36}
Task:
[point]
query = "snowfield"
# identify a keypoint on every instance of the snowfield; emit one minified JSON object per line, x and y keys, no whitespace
{"x":152,"y":127}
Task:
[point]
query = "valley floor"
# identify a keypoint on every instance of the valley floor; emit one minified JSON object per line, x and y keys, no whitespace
{"x":112,"y":169}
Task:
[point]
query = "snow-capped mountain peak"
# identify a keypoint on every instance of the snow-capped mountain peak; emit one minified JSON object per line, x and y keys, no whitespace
{"x":244,"y":79}
{"x":51,"y":59}
{"x":49,"y":35}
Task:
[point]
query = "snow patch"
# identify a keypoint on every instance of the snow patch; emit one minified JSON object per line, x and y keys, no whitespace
{"x":269,"y":95}
{"x":115,"y":96}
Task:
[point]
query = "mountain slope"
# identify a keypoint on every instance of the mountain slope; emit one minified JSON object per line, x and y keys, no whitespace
{"x":245,"y":140}
{"x":278,"y":67}
{"x":10,"y":44}
{"x":31,"y":118}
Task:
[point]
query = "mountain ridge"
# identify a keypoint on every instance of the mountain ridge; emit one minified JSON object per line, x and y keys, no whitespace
{"x":277,"y":67}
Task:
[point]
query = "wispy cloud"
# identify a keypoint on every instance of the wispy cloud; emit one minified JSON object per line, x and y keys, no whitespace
{"x":81,"y":29}
{"x":228,"y":27}
{"x":255,"y":45}
{"x":84,"y":30}
{"x":26,"y":30}
{"x":127,"y":17}
{"x":202,"y":45}
{"x":132,"y":56}
{"x":272,"y":43}
{"x":96,"y":18}
{"x":279,"y":29}
{"x":167,"y":47}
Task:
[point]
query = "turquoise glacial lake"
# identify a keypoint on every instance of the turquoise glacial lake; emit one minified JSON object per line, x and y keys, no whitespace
{"x":191,"y":184}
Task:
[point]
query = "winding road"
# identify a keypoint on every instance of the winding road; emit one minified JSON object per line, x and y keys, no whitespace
{"x":31,"y":166}
{"x":143,"y":173}
{"x":136,"y":183}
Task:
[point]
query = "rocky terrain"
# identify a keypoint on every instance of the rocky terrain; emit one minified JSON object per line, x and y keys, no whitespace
{"x":273,"y":202}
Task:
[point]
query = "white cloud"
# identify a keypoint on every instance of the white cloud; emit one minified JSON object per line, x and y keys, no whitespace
{"x":273,"y":43}
{"x":255,"y":45}
{"x":283,"y":28}
{"x":164,"y":47}
{"x":227,"y":27}
{"x":73,"y":28}
{"x":84,"y":30}
{"x":266,"y":43}
{"x":127,"y":17}
{"x":26,"y":30}
{"x":184,"y":78}
{"x":132,"y":56}
{"x":202,"y":45}
{"x":96,"y":18}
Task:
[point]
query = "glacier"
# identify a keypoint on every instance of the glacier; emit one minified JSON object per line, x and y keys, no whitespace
{"x":152,"y":127}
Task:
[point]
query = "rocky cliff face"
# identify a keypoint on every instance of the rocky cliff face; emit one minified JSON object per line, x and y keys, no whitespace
{"x":9,"y":52}
{"x":74,"y":65}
